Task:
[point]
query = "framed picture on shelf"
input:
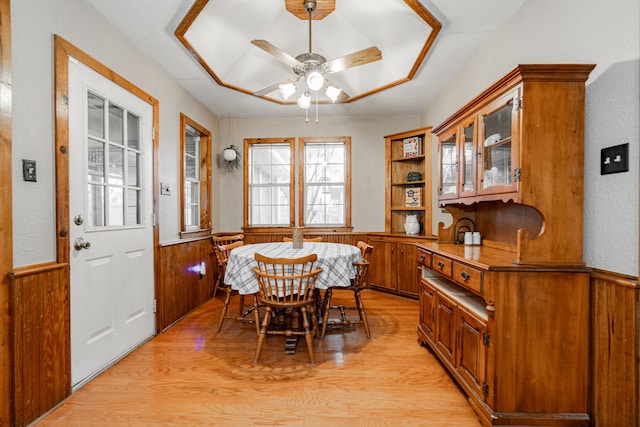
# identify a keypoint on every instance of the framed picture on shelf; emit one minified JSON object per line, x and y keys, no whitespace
{"x":412,"y":146}
{"x":413,"y":197}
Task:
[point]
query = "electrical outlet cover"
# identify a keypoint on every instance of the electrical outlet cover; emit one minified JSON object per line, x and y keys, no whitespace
{"x":614,"y":159}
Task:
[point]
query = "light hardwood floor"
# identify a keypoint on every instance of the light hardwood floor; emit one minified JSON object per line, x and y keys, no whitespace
{"x":190,"y":375}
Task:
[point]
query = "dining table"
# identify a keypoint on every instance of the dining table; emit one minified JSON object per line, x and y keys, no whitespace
{"x":335,"y":259}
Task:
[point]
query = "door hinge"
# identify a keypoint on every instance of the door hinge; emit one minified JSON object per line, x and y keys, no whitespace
{"x":485,"y":339}
{"x":154,"y":305}
{"x":517,"y":104}
{"x":153,"y":219}
{"x":485,"y":389}
{"x":517,"y":175}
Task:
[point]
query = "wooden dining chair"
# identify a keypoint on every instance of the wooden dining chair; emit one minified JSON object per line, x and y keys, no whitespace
{"x":307,"y":239}
{"x":359,"y":283}
{"x":287,"y":285}
{"x":222,"y":254}
{"x":221,"y":241}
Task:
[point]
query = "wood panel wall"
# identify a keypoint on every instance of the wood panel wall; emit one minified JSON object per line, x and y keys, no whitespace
{"x":615,"y":370}
{"x":345,"y":238}
{"x":40,"y":339}
{"x":180,"y":287}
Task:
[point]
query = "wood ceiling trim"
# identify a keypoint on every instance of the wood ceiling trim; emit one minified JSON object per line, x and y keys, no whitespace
{"x":323,"y":8}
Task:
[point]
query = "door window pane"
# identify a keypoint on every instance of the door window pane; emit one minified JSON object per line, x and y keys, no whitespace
{"x":95,"y":160}
{"x":95,"y":115}
{"x":116,"y":165}
{"x":116,"y":124}
{"x":133,"y":131}
{"x":116,"y":206}
{"x":96,"y":212}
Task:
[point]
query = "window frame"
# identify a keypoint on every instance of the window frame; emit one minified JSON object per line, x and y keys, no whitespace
{"x":346,"y":140}
{"x":248,"y":142}
{"x":206,"y":184}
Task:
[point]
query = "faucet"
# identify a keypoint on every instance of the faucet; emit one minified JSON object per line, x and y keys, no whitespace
{"x":459,"y":229}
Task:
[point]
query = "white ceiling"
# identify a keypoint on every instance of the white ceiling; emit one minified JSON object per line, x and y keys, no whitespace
{"x":466,"y":25}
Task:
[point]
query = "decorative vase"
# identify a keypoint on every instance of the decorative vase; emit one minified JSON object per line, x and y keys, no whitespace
{"x":411,"y":224}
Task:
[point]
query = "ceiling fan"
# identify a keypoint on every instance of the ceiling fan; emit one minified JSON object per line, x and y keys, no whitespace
{"x":310,"y":68}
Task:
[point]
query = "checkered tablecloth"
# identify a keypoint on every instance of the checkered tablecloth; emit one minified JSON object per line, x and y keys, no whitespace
{"x":335,"y":259}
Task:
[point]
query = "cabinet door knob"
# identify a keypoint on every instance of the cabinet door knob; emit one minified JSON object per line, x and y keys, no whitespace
{"x":465,"y":276}
{"x":440,"y":265}
{"x":422,"y":257}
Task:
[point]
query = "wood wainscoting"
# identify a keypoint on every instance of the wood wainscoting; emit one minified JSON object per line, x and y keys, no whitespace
{"x":40,"y":339}
{"x":180,"y":286}
{"x":615,"y":349}
{"x":333,"y":237}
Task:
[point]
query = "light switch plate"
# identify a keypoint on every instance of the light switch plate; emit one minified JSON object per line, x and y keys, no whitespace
{"x":614,"y":159}
{"x":165,"y":189}
{"x":29,"y":170}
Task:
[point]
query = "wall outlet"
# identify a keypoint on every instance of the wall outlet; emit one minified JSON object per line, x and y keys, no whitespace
{"x":614,"y":159}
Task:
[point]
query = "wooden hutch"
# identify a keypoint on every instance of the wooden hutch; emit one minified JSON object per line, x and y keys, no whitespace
{"x":510,"y":318}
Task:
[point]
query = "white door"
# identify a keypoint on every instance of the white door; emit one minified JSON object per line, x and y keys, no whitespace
{"x":111,"y":231}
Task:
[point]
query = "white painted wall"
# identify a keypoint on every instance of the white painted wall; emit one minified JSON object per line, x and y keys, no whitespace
{"x":577,"y":31}
{"x":367,"y":160}
{"x":34,"y":22}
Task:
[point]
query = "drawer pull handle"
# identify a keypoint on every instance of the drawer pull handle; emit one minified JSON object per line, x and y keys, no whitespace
{"x":422,"y":257}
{"x":465,"y":276}
{"x":440,"y":265}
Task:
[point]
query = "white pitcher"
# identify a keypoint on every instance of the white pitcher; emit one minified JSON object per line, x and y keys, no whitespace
{"x":411,"y":224}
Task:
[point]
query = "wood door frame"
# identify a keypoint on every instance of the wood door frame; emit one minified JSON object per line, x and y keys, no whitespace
{"x":62,"y":50}
{"x":6,"y":222}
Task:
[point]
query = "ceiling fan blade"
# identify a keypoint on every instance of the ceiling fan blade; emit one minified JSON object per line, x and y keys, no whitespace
{"x":267,"y":90}
{"x":274,"y":51}
{"x":354,"y":59}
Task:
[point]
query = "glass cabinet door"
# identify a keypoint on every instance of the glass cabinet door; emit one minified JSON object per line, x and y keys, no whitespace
{"x":467,"y":160}
{"x":448,"y":167}
{"x":497,"y":145}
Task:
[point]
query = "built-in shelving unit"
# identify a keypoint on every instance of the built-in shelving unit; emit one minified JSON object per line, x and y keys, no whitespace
{"x":408,"y":180}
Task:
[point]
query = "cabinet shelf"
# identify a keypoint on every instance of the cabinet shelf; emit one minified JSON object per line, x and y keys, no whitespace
{"x":409,"y":184}
{"x":419,"y":158}
{"x":398,"y":169}
{"x":407,"y":208}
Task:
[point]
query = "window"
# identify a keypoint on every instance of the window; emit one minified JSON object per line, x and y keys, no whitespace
{"x":268,"y":195}
{"x":325,"y":177}
{"x":114,"y":160}
{"x":195,"y":173}
{"x":323,"y":186}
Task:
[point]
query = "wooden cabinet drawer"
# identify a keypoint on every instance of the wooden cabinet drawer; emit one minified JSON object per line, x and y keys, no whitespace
{"x":424,"y":258}
{"x":442,"y":265}
{"x":468,"y":277}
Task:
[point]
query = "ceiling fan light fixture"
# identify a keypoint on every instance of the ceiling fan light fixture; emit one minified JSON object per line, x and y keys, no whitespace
{"x":304,"y":101}
{"x":287,"y":89}
{"x":315,"y":80}
{"x":332,"y":92}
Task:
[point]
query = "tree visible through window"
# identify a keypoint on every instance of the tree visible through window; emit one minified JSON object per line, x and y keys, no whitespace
{"x":326,"y":182}
{"x":269,"y":188}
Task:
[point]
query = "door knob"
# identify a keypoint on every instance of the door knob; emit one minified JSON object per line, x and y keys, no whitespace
{"x":80,"y":244}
